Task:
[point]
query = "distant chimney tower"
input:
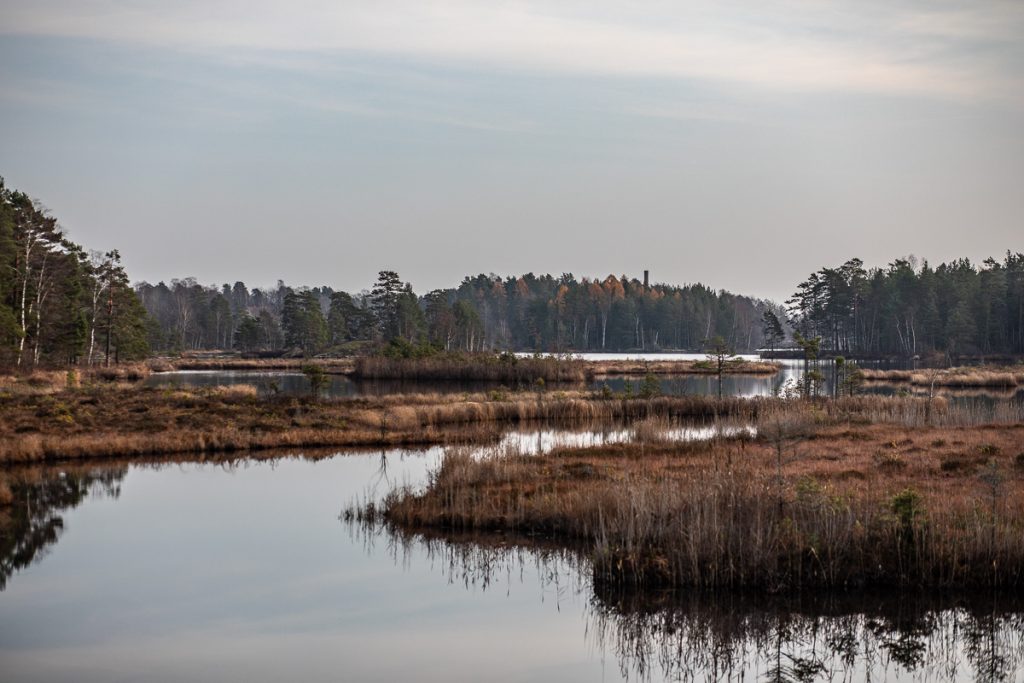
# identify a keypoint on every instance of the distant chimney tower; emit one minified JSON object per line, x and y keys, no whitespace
{"x":647,"y":279}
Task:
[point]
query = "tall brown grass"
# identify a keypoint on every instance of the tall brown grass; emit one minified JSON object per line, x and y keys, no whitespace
{"x":53,"y":380}
{"x":680,"y":367}
{"x":235,"y":391}
{"x":488,"y":367}
{"x":853,"y":507}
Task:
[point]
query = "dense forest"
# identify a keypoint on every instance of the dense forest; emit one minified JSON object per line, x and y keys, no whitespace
{"x":906,"y":309}
{"x":484,"y":312}
{"x":903,"y":309}
{"x":60,"y":304}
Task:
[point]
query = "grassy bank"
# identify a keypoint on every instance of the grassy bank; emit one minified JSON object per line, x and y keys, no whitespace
{"x":813,"y":502}
{"x":981,"y":376}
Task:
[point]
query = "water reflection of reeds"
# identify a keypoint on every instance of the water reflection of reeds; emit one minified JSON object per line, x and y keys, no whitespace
{"x":849,"y":637}
{"x":695,"y":635}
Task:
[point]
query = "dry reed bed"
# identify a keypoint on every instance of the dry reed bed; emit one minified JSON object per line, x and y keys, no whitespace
{"x":844,"y":506}
{"x":43,"y":381}
{"x":487,"y":367}
{"x":679,"y":367}
{"x":108,"y":422}
{"x":953,"y":392}
{"x":331,"y":366}
{"x":952,"y":377}
{"x":101,"y":423}
{"x":524,"y":371}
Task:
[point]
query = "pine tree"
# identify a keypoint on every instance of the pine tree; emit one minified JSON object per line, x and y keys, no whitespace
{"x":303,"y":322}
{"x":384,"y":303}
{"x":771,"y":330}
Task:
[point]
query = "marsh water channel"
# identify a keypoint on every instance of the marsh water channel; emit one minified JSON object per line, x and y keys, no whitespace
{"x":244,"y":569}
{"x":341,"y":386}
{"x":743,"y":385}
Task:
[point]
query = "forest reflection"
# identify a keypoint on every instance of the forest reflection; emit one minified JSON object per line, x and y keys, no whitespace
{"x":33,"y":499}
{"x":690,"y":636}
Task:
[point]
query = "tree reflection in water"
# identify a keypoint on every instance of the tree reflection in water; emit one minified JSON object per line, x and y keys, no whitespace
{"x":34,"y":498}
{"x":700,"y":636}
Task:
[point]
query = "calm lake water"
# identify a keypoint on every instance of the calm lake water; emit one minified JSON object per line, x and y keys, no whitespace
{"x":340,"y":386}
{"x":244,"y":571}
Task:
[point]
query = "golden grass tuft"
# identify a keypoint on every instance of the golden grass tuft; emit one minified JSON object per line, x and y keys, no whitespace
{"x":235,"y":391}
{"x":651,"y":430}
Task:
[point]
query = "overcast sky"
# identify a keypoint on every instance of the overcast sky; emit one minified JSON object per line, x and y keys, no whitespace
{"x":740,"y":144}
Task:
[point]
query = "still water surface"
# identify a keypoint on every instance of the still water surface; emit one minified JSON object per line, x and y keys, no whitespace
{"x":244,"y":571}
{"x":340,"y":386}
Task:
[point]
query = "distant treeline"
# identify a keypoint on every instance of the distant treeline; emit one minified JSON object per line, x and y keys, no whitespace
{"x":485,"y":312}
{"x":907,"y":309}
{"x":903,"y":309}
{"x":58,"y":303}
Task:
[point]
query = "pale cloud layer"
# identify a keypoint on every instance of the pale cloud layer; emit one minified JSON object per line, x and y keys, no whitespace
{"x":935,"y":48}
